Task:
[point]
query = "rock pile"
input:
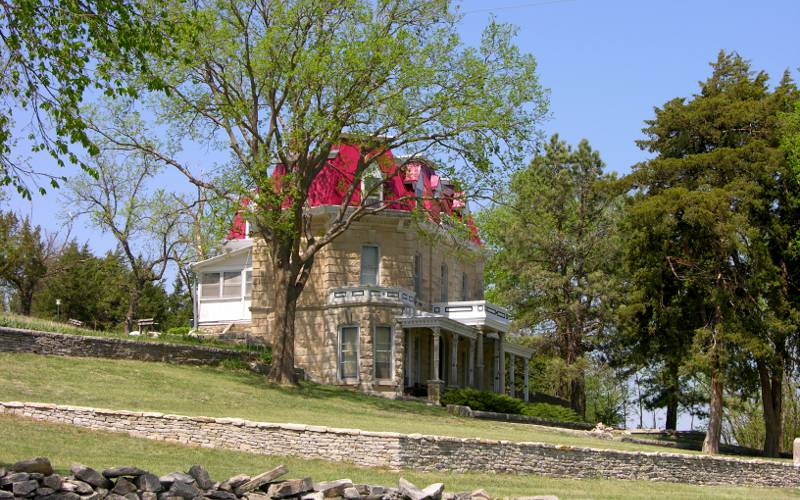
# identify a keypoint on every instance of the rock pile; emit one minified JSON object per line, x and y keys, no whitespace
{"x":35,"y":480}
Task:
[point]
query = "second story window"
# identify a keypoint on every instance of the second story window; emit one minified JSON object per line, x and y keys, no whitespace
{"x":443,"y":297}
{"x":464,"y":287}
{"x":370,"y":265}
{"x":418,"y":275}
{"x":372,"y":187}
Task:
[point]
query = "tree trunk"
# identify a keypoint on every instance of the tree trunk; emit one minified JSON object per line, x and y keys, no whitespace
{"x":285,"y":305}
{"x":772,"y":403}
{"x":577,"y":395}
{"x":672,"y":397}
{"x":133,"y":307}
{"x":26,"y":301}
{"x":711,"y":442}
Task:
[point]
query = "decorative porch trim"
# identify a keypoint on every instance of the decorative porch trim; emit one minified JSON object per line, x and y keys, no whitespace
{"x":438,"y":321}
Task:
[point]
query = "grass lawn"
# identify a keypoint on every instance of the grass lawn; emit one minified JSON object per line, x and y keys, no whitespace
{"x":23,"y":438}
{"x":44,"y":325}
{"x":219,"y":392}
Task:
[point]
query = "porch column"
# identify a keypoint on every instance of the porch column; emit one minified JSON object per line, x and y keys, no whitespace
{"x":471,"y":372}
{"x":435,"y":357}
{"x":525,"y":362}
{"x":435,"y":384}
{"x":454,"y":359}
{"x":479,"y":360}
{"x":502,"y":348}
{"x":496,"y":367}
{"x":512,"y":380}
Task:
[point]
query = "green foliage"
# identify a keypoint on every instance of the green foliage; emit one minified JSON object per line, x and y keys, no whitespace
{"x":54,"y":54}
{"x":234,"y":364}
{"x":607,"y":395}
{"x":501,"y":403}
{"x":178,"y":330}
{"x":549,"y":411}
{"x":556,"y":246}
{"x":24,"y":256}
{"x":483,"y":401}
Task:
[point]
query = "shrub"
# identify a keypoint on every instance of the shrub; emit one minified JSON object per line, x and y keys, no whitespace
{"x":551,"y":412}
{"x":483,"y":401}
{"x":234,"y":364}
{"x":179,"y":330}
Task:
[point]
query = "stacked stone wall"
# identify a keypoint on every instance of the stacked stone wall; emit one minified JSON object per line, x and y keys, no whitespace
{"x":59,"y":344}
{"x":414,"y":451}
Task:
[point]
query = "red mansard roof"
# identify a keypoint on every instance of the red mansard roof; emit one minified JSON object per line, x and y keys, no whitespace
{"x":400,"y":184}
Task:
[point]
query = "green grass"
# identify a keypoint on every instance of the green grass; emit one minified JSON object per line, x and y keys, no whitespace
{"x":218,"y":392}
{"x":23,"y":438}
{"x":45,"y":325}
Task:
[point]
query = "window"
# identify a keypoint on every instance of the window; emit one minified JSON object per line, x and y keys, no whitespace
{"x":348,"y":352}
{"x":232,"y":285}
{"x":382,"y":344}
{"x":372,"y":186}
{"x":443,"y":297}
{"x":464,"y":287}
{"x":248,"y":284}
{"x":369,"y":265}
{"x":418,"y":275}
{"x":209,"y":286}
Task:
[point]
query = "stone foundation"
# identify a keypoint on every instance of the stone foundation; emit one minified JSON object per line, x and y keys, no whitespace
{"x":415,"y":451}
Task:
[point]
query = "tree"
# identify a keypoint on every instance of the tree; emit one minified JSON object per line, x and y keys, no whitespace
{"x":717,"y":204}
{"x":54,"y":53}
{"x":24,"y":258}
{"x":286,"y":82}
{"x":120,"y":200}
{"x":555,"y":247}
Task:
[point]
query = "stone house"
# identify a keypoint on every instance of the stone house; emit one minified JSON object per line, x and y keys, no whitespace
{"x":393,"y":306}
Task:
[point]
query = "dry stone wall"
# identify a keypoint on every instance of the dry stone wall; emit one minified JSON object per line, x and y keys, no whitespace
{"x":59,"y":344}
{"x":415,"y":451}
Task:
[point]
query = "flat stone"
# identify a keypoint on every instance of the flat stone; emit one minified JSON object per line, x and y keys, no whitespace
{"x":170,"y":478}
{"x":351,"y":493}
{"x":234,"y":482}
{"x":38,"y":464}
{"x":52,"y":481}
{"x":44,"y":491}
{"x":480,"y":494}
{"x":89,"y":475}
{"x":433,"y":491}
{"x":14,"y":477}
{"x":92,"y":496}
{"x":184,"y":490}
{"x":333,"y":488}
{"x":257,"y":496}
{"x":123,"y":487}
{"x":220,"y":495}
{"x":148,"y":495}
{"x":148,"y":482}
{"x":6,"y":495}
{"x":2,"y":471}
{"x":37,"y":476}
{"x":61,"y":495}
{"x":131,"y":496}
{"x":23,"y":488}
{"x":201,"y":477}
{"x":261,"y":479}
{"x":314,"y":495}
{"x":290,"y":488}
{"x":76,"y":486}
{"x":123,"y":471}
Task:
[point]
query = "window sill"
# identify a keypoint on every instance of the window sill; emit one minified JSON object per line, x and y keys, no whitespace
{"x":221,"y":299}
{"x":385,"y":382}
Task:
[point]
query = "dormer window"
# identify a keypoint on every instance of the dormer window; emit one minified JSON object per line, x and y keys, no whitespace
{"x":372,"y":186}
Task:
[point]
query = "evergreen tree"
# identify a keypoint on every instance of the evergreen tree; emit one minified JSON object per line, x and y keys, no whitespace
{"x":555,"y":241}
{"x":23,"y":259}
{"x":716,"y":206}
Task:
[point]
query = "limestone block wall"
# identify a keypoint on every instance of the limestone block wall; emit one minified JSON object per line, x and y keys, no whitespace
{"x":59,"y":344}
{"x":415,"y":451}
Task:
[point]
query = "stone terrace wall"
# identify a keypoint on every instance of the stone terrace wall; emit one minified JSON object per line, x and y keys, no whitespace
{"x":59,"y":344}
{"x":419,"y":452}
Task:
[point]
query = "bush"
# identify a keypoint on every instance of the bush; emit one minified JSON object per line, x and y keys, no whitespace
{"x":551,"y":412}
{"x":179,"y":330}
{"x":500,"y":403}
{"x":483,"y":401}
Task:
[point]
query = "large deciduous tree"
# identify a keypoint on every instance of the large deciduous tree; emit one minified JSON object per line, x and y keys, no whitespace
{"x":716,"y":206}
{"x":285,"y":82}
{"x":555,"y":241}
